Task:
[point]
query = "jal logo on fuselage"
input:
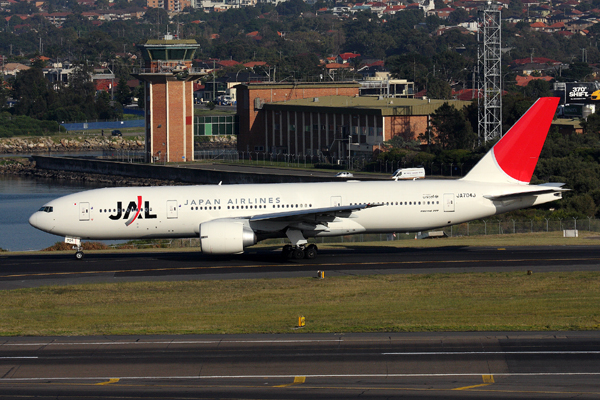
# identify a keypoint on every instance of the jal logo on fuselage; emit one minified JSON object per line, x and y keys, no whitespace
{"x":132,"y":212}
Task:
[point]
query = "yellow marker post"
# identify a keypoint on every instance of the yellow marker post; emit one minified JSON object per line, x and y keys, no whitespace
{"x":301,"y":322}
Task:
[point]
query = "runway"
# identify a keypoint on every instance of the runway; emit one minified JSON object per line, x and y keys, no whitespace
{"x":296,"y":366}
{"x":553,"y":365}
{"x":51,"y":269}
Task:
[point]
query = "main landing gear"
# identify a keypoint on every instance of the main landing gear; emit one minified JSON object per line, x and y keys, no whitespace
{"x":299,"y":252}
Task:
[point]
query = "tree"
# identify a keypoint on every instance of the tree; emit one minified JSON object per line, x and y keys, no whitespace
{"x":537,"y":88}
{"x":32,"y":92}
{"x":451,"y":129}
{"x":438,"y":89}
{"x":457,"y":16}
{"x":123,"y":93}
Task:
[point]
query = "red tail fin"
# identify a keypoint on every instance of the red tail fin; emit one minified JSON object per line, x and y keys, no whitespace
{"x":514,"y":157}
{"x":518,"y":151}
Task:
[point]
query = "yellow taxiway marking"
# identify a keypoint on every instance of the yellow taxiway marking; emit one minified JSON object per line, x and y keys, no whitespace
{"x":111,"y":380}
{"x":297,"y":381}
{"x":487,"y":379}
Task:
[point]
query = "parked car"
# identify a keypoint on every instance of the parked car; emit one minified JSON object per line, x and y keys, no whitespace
{"x":116,"y":132}
{"x":344,"y":174}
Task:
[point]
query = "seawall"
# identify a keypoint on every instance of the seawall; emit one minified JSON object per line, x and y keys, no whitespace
{"x":194,"y":173}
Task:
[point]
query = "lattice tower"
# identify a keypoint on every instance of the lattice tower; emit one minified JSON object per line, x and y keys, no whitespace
{"x":490,"y":73}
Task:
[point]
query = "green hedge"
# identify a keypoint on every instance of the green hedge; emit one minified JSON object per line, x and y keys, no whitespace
{"x":11,"y":126}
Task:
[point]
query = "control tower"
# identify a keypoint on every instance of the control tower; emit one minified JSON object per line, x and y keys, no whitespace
{"x":168,"y":78}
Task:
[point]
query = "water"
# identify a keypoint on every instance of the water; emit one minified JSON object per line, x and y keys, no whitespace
{"x":21,"y":197}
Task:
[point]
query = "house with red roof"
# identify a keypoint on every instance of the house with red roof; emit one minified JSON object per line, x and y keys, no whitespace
{"x":442,"y":13}
{"x":524,"y":80}
{"x":346,"y":57}
{"x":253,"y":64}
{"x":227,"y":63}
{"x":538,"y":26}
{"x":467,"y":94}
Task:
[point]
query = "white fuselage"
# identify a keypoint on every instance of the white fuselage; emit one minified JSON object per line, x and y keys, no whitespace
{"x":178,"y":211}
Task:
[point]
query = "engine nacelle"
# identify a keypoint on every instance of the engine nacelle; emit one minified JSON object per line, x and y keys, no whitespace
{"x":225,"y":237}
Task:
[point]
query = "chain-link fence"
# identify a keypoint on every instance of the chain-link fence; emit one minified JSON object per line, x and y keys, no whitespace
{"x":478,"y":228}
{"x":130,"y":156}
{"x":357,"y":162}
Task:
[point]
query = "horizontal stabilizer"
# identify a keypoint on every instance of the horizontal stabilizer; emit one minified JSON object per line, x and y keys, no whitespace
{"x":538,"y":191}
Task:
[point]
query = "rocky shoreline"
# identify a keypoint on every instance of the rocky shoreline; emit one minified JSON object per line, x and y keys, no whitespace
{"x":49,"y":144}
{"x":25,"y":168}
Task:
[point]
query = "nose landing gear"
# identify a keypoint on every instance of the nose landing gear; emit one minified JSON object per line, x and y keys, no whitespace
{"x":76,"y":242}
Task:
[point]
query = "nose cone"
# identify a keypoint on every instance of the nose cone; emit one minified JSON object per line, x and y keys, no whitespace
{"x":33,"y":220}
{"x":42,"y":221}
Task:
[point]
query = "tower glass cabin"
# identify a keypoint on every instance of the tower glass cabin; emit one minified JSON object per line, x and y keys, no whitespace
{"x":168,"y":78}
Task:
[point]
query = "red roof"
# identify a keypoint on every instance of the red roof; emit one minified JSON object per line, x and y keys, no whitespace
{"x":524,"y":80}
{"x":348,"y":56}
{"x":253,"y":64}
{"x":538,"y":25}
{"x":537,"y":60}
{"x":103,"y":84}
{"x":228,"y":63}
{"x":336,"y":66}
{"x":467,"y":94}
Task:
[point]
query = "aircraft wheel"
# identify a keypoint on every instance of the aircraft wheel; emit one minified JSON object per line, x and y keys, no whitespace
{"x":79,"y":255}
{"x":298,"y":254}
{"x":310,"y":252}
{"x":287,"y":251}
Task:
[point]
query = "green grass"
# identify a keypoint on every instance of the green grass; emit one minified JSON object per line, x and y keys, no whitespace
{"x":379,"y":303}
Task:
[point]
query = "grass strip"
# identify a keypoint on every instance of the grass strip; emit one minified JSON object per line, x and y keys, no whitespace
{"x":379,"y":303}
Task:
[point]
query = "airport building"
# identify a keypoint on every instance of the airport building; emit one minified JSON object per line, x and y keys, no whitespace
{"x":313,"y":119}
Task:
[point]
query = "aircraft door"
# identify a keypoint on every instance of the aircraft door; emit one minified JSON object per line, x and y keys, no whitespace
{"x":448,"y":202}
{"x":84,"y":211}
{"x":336,"y":201}
{"x":171,"y":209}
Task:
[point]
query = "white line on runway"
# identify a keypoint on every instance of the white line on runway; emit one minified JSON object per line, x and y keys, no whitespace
{"x":441,"y":353}
{"x":16,"y":358}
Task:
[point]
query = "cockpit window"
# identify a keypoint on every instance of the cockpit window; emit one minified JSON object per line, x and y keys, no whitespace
{"x":47,"y":209}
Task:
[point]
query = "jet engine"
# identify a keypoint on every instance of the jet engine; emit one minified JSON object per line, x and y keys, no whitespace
{"x":225,"y":237}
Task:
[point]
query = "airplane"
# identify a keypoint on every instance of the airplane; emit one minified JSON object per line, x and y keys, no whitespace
{"x":230,"y":218}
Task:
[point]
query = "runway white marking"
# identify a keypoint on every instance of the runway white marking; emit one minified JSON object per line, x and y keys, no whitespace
{"x":441,"y":353}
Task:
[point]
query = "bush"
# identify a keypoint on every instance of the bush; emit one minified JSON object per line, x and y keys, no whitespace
{"x":62,"y":246}
{"x":21,"y":125}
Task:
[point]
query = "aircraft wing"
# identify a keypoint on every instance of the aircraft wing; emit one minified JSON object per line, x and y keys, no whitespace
{"x":315,"y":215}
{"x":539,"y":190}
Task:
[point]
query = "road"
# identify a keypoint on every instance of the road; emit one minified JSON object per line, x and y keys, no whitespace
{"x":31,"y":270}
{"x":319,"y":366}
